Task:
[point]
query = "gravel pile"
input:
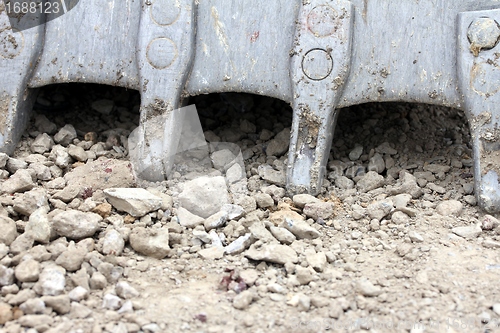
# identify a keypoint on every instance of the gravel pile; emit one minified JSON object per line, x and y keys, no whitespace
{"x":393,"y":243}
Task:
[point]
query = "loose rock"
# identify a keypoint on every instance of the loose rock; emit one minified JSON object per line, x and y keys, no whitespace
{"x":468,"y":232}
{"x":300,"y":200}
{"x":187,"y":219}
{"x":376,"y":163}
{"x":51,"y":281}
{"x":279,"y":145}
{"x":33,"y":306}
{"x":35,"y":320}
{"x":39,"y":227}
{"x":5,"y":313}
{"x":407,"y":184}
{"x":135,"y":201}
{"x":267,"y":173}
{"x":204,"y":196}
{"x":276,"y":253}
{"x":264,"y":200}
{"x":234,"y":212}
{"x":355,"y":154}
{"x":319,"y":210}
{"x":60,"y":156}
{"x":379,"y":209}
{"x":239,"y":245}
{"x":213,"y":252}
{"x":9,"y":230}
{"x":301,"y":301}
{"x":366,"y":288}
{"x":30,"y":201}
{"x":6,"y":276}
{"x":79,"y":311}
{"x":415,"y":237}
{"x":75,"y":224}
{"x":20,"y":181}
{"x":449,"y":208}
{"x":112,"y":243}
{"x":304,"y":274}
{"x":150,"y":242}
{"x":300,"y":228}
{"x":42,"y":143}
{"x":282,"y":235}
{"x":317,"y":261}
{"x":78,"y":153}
{"x":72,"y":258}
{"x":243,"y":300}
{"x":370,"y":181}
{"x":125,"y":290}
{"x":28,"y":271}
{"x":102,"y":174}
{"x":66,"y":135}
{"x":215,"y":221}
{"x":103,"y":106}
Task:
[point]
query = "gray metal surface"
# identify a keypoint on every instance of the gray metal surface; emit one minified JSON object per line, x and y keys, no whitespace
{"x":318,"y":55}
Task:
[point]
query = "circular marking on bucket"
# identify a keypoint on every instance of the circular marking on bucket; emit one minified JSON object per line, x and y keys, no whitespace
{"x":483,"y":34}
{"x":11,"y":43}
{"x":317,"y":64}
{"x":161,"y":52}
{"x":484,"y":78}
{"x":165,"y":12}
{"x":323,"y":21}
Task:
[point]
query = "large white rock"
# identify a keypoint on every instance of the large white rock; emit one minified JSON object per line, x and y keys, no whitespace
{"x":112,"y":243}
{"x":6,"y":276}
{"x":101,"y":174}
{"x":300,"y":200}
{"x":51,"y":281}
{"x":300,"y":228}
{"x":379,"y":209}
{"x":135,"y":201}
{"x":276,"y":253}
{"x":150,"y":242}
{"x":65,"y":135}
{"x":60,"y":156}
{"x":449,"y":208}
{"x":370,"y":181}
{"x":75,"y":224}
{"x":3,"y":160}
{"x":9,"y":230}
{"x":204,"y":196}
{"x":27,"y":271}
{"x":187,"y":219}
{"x":42,"y":143}
{"x":72,"y":258}
{"x":39,"y":227}
{"x":30,"y":201}
{"x":21,"y":181}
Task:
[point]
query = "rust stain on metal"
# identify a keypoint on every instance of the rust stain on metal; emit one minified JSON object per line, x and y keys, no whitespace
{"x":254,"y":36}
{"x":219,"y":29}
{"x":365,"y":10}
{"x":309,"y":126}
{"x":158,"y":108}
{"x":4,"y":112}
{"x":10,"y":47}
{"x":479,"y":75}
{"x":490,"y":157}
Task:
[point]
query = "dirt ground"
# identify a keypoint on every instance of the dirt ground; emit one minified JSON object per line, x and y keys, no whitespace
{"x":388,"y":258}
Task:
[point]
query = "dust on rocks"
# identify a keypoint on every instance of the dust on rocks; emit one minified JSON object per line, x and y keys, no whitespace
{"x":393,"y":240}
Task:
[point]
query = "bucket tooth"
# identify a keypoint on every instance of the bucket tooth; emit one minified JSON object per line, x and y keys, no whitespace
{"x":165,"y":53}
{"x":19,"y":50}
{"x":479,"y":82}
{"x":319,"y":68}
